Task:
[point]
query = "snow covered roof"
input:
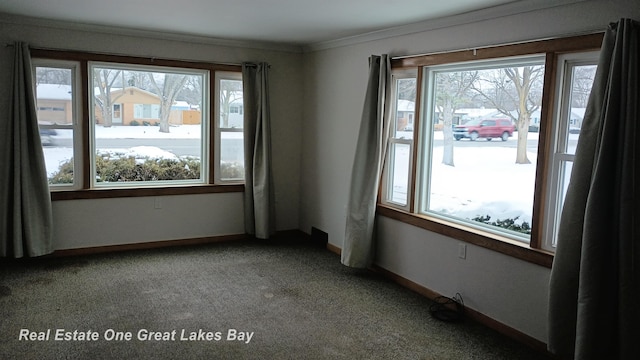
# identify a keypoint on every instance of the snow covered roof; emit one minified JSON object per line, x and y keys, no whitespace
{"x":406,"y":105}
{"x":53,"y":92}
{"x":180,"y":105}
{"x":473,"y":113}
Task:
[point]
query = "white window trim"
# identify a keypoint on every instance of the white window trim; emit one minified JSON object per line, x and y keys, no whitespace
{"x":204,"y":139}
{"x":560,"y":129}
{"x":423,"y":177}
{"x":219,"y":76}
{"x":77,"y":126}
{"x":387,"y":178}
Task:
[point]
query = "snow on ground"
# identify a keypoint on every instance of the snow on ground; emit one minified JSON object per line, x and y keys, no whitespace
{"x":484,"y":181}
{"x":142,"y":152}
{"x":57,"y":155}
{"x":140,"y":132}
{"x":148,"y":132}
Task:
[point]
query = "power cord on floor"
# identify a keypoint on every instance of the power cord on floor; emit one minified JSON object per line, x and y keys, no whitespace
{"x":448,"y":309}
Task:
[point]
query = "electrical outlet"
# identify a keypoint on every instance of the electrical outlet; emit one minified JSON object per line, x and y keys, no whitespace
{"x":157,"y":203}
{"x":462,"y":251}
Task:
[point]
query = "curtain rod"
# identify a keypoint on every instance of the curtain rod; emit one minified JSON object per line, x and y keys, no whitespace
{"x":250,"y":64}
{"x":152,"y":58}
{"x":474,"y":49}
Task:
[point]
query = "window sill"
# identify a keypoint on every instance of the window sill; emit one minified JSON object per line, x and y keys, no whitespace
{"x":476,"y":237}
{"x":57,"y":195}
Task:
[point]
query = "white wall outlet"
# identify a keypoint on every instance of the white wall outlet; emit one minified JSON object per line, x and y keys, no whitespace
{"x":462,"y":251}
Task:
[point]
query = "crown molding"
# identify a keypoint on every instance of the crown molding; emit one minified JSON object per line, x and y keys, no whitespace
{"x":494,"y":12}
{"x":110,"y":30}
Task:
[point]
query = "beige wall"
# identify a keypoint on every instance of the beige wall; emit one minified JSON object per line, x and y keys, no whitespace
{"x":100,"y":222}
{"x":55,"y":117}
{"x":511,"y":291}
{"x":317,"y":101}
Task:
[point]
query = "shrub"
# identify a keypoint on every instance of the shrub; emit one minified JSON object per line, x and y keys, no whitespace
{"x":134,"y":123}
{"x":509,"y":224}
{"x":119,"y":168}
{"x":231,"y":170}
{"x":64,"y":175}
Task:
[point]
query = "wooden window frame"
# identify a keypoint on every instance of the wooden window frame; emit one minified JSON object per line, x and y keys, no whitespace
{"x":85,"y":190}
{"x":551,"y":48}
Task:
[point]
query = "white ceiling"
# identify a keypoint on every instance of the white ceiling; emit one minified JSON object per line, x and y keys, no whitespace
{"x":299,"y":22}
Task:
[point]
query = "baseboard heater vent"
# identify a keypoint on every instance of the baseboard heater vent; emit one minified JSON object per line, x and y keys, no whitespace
{"x":319,"y":237}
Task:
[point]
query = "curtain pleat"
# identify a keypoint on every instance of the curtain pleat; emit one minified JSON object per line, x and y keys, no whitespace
{"x":259,"y":198}
{"x":595,"y":278}
{"x":26,"y":220}
{"x":359,"y":246}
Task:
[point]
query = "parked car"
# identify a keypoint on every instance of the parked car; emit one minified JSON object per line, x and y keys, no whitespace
{"x":46,"y":136}
{"x":485,"y":128}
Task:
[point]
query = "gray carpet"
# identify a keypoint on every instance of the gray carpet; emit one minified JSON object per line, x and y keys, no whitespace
{"x":295,"y":298}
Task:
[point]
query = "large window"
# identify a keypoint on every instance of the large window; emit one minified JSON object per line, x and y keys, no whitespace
{"x":482,"y":144}
{"x":138,"y":128}
{"x":120,"y":122}
{"x":467,"y":177}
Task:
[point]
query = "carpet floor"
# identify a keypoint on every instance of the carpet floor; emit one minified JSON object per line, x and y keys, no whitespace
{"x":235,"y":300}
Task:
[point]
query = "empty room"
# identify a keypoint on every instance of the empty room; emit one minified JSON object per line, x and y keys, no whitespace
{"x":319,"y":179}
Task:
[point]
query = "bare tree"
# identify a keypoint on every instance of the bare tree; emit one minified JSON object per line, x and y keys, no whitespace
{"x":139,"y":79}
{"x":172,"y":84}
{"x":582,"y":84}
{"x":452,"y":90}
{"x":45,"y":75}
{"x":516,"y":93}
{"x":104,"y":81}
{"x":407,"y":89}
{"x":192,"y":92}
{"x":230,"y":91}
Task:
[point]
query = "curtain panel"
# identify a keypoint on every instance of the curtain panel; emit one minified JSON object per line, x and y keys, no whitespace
{"x":359,"y":245}
{"x":259,"y":198}
{"x":26,"y":220}
{"x":595,"y":278}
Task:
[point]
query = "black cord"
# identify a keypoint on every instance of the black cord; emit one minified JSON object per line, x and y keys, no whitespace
{"x":448,"y":309}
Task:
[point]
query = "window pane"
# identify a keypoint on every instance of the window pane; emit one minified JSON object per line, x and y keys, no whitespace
{"x":398,"y":161}
{"x":147,"y":124}
{"x":231,"y":156}
{"x":573,"y":89}
{"x":54,"y":100}
{"x":405,"y":108}
{"x":231,"y":106}
{"x":564,"y":177}
{"x":482,"y":154}
{"x":399,"y":183}
{"x":581,"y":83}
{"x":230,"y":125}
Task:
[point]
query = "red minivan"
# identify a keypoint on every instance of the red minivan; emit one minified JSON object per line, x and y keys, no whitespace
{"x":485,"y":128}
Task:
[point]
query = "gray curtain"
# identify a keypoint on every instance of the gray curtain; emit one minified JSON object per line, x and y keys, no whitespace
{"x":26,"y":220}
{"x":259,"y":199}
{"x":358,"y":248}
{"x":595,"y":279}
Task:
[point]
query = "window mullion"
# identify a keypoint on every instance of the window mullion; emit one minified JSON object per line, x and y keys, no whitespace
{"x":415,"y":153}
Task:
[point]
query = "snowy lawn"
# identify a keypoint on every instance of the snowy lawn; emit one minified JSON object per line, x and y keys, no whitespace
{"x":484,"y":181}
{"x":57,"y":155}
